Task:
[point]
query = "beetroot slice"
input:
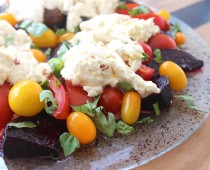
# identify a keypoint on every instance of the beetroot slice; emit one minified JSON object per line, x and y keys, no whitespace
{"x":185,"y":60}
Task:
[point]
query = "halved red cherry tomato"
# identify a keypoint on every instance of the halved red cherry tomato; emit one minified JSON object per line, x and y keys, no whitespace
{"x":161,"y":41}
{"x":63,"y":109}
{"x":145,"y":72}
{"x":147,"y":49}
{"x":158,"y":20}
{"x":111,"y":100}
{"x":77,"y":96}
{"x":6,"y":113}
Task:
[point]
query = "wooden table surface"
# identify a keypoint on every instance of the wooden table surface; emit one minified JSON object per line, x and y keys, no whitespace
{"x":194,"y":153}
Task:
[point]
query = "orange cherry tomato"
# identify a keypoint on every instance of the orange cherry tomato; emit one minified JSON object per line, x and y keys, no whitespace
{"x":131,"y":106}
{"x":180,"y":38}
{"x":39,"y":55}
{"x":65,"y":37}
{"x":47,"y":40}
{"x":9,"y":17}
{"x":82,"y":127}
{"x":176,"y":76}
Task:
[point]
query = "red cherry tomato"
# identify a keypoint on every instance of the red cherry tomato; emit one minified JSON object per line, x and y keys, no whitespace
{"x":6,"y":113}
{"x":147,"y":49}
{"x":161,"y":41}
{"x":158,"y":20}
{"x":111,"y":100}
{"x":77,"y":96}
{"x":63,"y":109}
{"x":145,"y":72}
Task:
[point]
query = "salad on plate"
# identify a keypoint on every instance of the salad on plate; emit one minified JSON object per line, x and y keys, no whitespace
{"x":71,"y":70}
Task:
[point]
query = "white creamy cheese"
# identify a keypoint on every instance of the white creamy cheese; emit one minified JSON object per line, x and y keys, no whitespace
{"x":18,"y":38}
{"x":116,"y":26}
{"x":34,"y":9}
{"x":16,"y":65}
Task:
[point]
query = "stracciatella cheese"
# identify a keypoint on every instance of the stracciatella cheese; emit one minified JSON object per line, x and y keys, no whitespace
{"x":74,"y":9}
{"x":17,"y":38}
{"x":95,"y":65}
{"x":16,"y":65}
{"x":116,"y":26}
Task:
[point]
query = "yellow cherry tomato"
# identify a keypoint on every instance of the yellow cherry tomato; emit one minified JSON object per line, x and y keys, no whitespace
{"x":165,"y":14}
{"x":24,"y":98}
{"x":180,"y":38}
{"x":39,"y":55}
{"x":176,"y":76}
{"x":82,"y":127}
{"x":131,"y":106}
{"x":9,"y":17}
{"x":47,"y":40}
{"x":65,"y":37}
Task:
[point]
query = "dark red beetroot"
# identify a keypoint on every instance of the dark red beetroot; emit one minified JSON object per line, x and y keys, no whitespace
{"x":185,"y":60}
{"x":42,"y":140}
{"x":164,"y":98}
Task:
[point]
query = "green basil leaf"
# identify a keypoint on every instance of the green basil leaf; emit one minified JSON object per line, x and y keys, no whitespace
{"x":36,"y":29}
{"x":147,"y":120}
{"x":174,"y":28}
{"x":191,"y":102}
{"x":126,"y":87}
{"x":145,"y":57}
{"x":122,"y":6}
{"x":123,"y":128}
{"x":141,"y":9}
{"x":60,"y":31}
{"x":65,"y":46}
{"x":26,"y":124}
{"x":156,"y":108}
{"x":50,"y":102}
{"x":9,"y":40}
{"x":69,"y":143}
{"x":157,"y":56}
{"x":48,"y":53}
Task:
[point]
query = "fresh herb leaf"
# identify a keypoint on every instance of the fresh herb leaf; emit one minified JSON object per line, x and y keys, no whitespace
{"x":58,"y":83}
{"x":105,"y":125}
{"x":126,"y":87}
{"x":26,"y":124}
{"x":9,"y":40}
{"x":122,"y":6}
{"x":156,"y":108}
{"x":69,"y":143}
{"x":123,"y":128}
{"x":191,"y":102}
{"x":50,"y":102}
{"x":36,"y":29}
{"x":65,"y":46}
{"x":147,"y":120}
{"x":60,"y":31}
{"x":33,"y":46}
{"x":48,"y":53}
{"x":174,"y":28}
{"x":141,"y":9}
{"x":44,"y":84}
{"x":145,"y":57}
{"x":157,"y":56}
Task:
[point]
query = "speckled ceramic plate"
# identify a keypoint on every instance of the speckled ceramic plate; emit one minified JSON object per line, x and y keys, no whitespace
{"x":149,"y":141}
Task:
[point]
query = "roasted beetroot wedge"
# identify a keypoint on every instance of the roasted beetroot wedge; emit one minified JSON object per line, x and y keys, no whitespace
{"x":43,"y":140}
{"x":164,"y":98}
{"x":185,"y":60}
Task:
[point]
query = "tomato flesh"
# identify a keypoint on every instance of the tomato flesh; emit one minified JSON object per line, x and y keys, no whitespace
{"x":145,"y":72}
{"x":63,"y":109}
{"x":77,"y":96}
{"x":147,"y":49}
{"x":111,"y":100}
{"x":6,"y":113}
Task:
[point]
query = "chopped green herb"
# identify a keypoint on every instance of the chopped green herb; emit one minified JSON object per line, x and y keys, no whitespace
{"x":126,"y":87}
{"x":174,"y":28}
{"x":50,"y":102}
{"x":145,"y":57}
{"x":44,"y":84}
{"x":60,"y":31}
{"x":123,"y":128}
{"x":33,"y":46}
{"x":36,"y":29}
{"x":48,"y":53}
{"x":191,"y":102}
{"x":105,"y":125}
{"x":156,"y":108}
{"x":141,"y":9}
{"x":56,"y":65}
{"x":26,"y":124}
{"x":58,"y":83}
{"x":69,"y":143}
{"x":9,"y":40}
{"x":122,"y":6}
{"x":147,"y":120}
{"x":65,"y":46}
{"x":157,"y":56}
